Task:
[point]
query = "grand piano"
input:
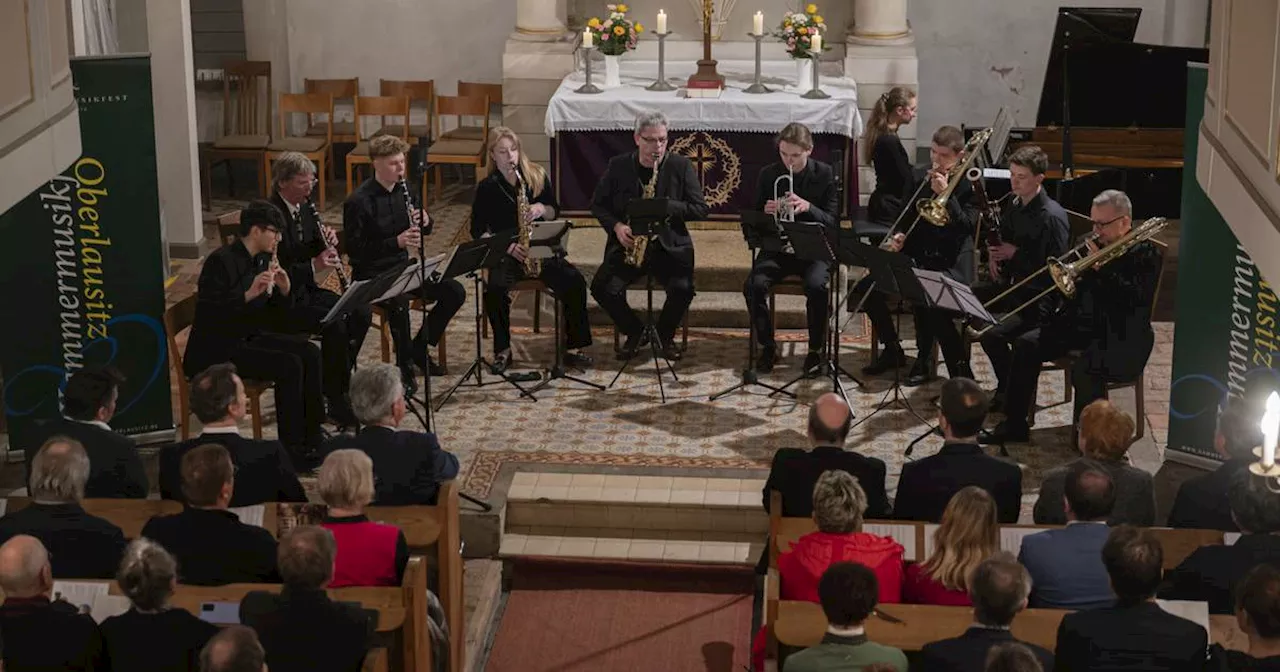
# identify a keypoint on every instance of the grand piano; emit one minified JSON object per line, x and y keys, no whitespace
{"x":1112,"y":112}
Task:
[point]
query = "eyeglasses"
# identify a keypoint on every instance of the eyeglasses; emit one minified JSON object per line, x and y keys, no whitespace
{"x":1109,"y":222}
{"x":660,"y":140}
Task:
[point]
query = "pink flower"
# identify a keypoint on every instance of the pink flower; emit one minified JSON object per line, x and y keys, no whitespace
{"x":608,"y":24}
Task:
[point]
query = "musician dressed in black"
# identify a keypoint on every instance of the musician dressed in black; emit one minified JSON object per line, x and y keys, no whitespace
{"x":1108,"y":321}
{"x":242,"y":294}
{"x":307,"y":249}
{"x":948,"y":249}
{"x":669,"y":256}
{"x":808,"y":190}
{"x":496,"y":209}
{"x":1033,"y":229}
{"x":376,"y":219}
{"x":887,"y":156}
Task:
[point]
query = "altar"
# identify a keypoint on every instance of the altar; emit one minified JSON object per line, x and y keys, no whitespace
{"x":729,"y":139}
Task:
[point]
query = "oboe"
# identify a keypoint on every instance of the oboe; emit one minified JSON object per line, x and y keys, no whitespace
{"x":343,"y":281}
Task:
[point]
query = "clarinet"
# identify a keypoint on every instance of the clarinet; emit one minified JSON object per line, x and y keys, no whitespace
{"x":408,"y":206}
{"x":343,"y":281}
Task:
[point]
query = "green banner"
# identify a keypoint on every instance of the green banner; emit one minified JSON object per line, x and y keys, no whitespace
{"x":84,"y":266}
{"x":1225,"y":339}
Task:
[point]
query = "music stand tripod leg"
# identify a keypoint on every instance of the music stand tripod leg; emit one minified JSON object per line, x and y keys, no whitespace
{"x":749,"y":375}
{"x":480,"y":362}
{"x":651,"y":332}
{"x":557,"y":370}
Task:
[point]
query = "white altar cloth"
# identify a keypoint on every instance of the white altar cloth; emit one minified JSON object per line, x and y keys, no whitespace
{"x":615,"y":109}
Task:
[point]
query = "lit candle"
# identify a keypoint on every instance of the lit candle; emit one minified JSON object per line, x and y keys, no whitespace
{"x":586,"y":38}
{"x":662,"y":21}
{"x":757,"y":24}
{"x":1270,"y":430}
{"x":816,"y":43}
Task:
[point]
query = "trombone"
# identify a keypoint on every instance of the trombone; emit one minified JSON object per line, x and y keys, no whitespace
{"x":1065,"y":274}
{"x":934,"y":210}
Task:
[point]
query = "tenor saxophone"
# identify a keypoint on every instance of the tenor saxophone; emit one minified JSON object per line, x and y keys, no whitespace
{"x":532,"y":266}
{"x":640,"y":244}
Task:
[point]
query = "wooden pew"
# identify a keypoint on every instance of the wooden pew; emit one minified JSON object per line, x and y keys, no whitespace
{"x":131,"y":515}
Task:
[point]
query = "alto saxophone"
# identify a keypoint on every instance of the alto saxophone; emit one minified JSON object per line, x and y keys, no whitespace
{"x":640,"y":244}
{"x":532,"y":266}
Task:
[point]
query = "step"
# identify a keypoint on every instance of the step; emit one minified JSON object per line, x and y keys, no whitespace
{"x":676,"y":546}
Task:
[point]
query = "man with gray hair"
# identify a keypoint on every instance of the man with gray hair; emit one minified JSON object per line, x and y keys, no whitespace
{"x":408,"y":466}
{"x":41,"y":632}
{"x":83,"y":546}
{"x":234,"y":649}
{"x":647,"y":173}
{"x":1108,"y":320}
{"x":307,"y":249}
{"x":1202,"y":502}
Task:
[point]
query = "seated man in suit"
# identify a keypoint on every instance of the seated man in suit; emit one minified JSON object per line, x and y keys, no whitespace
{"x":1202,"y":501}
{"x":848,"y":593}
{"x":408,"y":467}
{"x":999,"y":590}
{"x":927,"y":485}
{"x":40,"y":633}
{"x":794,"y":470}
{"x":1258,"y":616}
{"x":1135,"y":634}
{"x":264,"y":472}
{"x":1210,"y":573}
{"x":1065,"y":565}
{"x":83,"y":546}
{"x":302,"y":628}
{"x":210,"y":543}
{"x":88,"y":402}
{"x":234,"y":649}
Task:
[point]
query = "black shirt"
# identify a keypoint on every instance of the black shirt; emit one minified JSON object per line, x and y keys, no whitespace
{"x":214,"y":548}
{"x":167,"y":641}
{"x":300,"y":242}
{"x":893,"y":178}
{"x":372,"y":217}
{"x":223,"y":319}
{"x":40,"y":635}
{"x":814,"y":183}
{"x":81,"y":546}
{"x":494,"y":206}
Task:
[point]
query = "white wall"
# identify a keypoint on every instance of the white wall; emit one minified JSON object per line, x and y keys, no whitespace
{"x":979,"y":55}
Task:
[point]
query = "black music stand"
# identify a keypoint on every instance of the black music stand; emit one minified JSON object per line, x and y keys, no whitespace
{"x":648,"y":217}
{"x":761,"y":233}
{"x":810,"y":242}
{"x":468,"y":259}
{"x":546,"y":237}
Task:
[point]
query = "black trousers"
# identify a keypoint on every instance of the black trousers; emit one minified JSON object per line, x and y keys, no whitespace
{"x":564,"y":280}
{"x":609,"y":287}
{"x":998,"y":341}
{"x":448,"y":295}
{"x":1038,"y":345}
{"x":932,"y":325}
{"x":294,"y":365}
{"x":335,"y":338}
{"x":768,"y":270}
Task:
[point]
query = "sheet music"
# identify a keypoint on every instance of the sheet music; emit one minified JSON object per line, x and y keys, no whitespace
{"x":1230,"y":538}
{"x":1196,"y":612}
{"x":929,"y":530}
{"x":411,"y":277}
{"x":996,"y":173}
{"x":106,"y":606}
{"x":1000,"y":130}
{"x":250,"y":515}
{"x":1011,"y":538}
{"x":903,"y":534}
{"x":546,"y":238}
{"x":81,"y":594}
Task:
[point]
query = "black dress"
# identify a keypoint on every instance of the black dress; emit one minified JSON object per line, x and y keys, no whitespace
{"x":893,"y":179}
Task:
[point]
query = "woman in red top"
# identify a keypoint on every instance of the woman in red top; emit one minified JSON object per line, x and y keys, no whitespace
{"x":369,"y":553}
{"x":969,"y":534}
{"x":838,"y":506}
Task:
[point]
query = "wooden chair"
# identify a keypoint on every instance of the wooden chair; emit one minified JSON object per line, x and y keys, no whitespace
{"x":314,"y":147}
{"x":246,"y":121}
{"x":459,"y":150}
{"x":376,"y":106}
{"x":177,"y":318}
{"x":416,"y":91}
{"x":477,"y":90}
{"x":527,"y":285}
{"x":383,"y":325}
{"x":342,"y":90}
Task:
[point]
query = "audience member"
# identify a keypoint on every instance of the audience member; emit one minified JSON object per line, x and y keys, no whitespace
{"x":264,"y":472}
{"x":1105,"y":435}
{"x":151,"y":636}
{"x":82,"y":546}
{"x":1135,"y":634}
{"x":234,"y":649}
{"x":1202,"y":502}
{"x":1065,"y":565}
{"x":210,"y":543}
{"x":369,"y":553}
{"x":969,"y":534}
{"x":301,"y":628}
{"x":838,"y":507}
{"x":1258,"y":616}
{"x":408,"y":466}
{"x":848,"y":594}
{"x":927,"y":485}
{"x":40,"y":633}
{"x":999,"y":589}
{"x":1012,"y":657}
{"x":1210,"y":573}
{"x":88,"y":402}
{"x":795,"y":470}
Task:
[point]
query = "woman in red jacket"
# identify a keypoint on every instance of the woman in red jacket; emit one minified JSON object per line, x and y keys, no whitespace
{"x":838,"y":506}
{"x":369,"y":553}
{"x":969,"y":534}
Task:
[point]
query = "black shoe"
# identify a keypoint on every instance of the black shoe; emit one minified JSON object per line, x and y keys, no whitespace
{"x":767,"y":359}
{"x":409,"y":380}
{"x":961,"y":370}
{"x":578,"y":360}
{"x":889,"y":359}
{"x":921,"y":372}
{"x":1005,"y":432}
{"x":501,"y":362}
{"x":632,"y":345}
{"x":997,"y":402}
{"x":812,"y":361}
{"x":670,"y":351}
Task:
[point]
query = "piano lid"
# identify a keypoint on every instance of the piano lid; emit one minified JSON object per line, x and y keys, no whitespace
{"x":1113,"y":82}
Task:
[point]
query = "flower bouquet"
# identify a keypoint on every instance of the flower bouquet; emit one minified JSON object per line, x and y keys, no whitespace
{"x":614,"y":36}
{"x":798,"y":28}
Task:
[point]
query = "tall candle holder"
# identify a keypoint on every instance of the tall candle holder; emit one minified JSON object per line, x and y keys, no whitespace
{"x":815,"y":92}
{"x":757,"y":86}
{"x":661,"y":83}
{"x":588,"y":87}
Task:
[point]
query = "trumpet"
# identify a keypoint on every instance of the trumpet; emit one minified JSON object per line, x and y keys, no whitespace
{"x":1066,"y":273}
{"x":785,"y":212}
{"x":934,"y":210}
